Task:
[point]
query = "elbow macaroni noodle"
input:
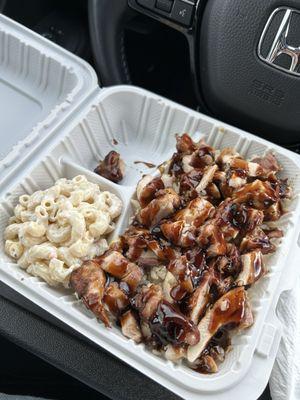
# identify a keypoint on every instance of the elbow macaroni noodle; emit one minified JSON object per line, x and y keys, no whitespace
{"x":54,"y":230}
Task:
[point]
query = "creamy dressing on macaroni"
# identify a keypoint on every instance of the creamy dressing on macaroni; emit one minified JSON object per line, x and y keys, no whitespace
{"x":54,"y":230}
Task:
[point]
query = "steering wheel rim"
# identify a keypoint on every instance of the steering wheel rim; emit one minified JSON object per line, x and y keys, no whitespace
{"x":108,"y":39}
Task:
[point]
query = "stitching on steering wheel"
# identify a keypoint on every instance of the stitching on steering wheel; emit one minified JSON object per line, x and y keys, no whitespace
{"x":124,"y":59}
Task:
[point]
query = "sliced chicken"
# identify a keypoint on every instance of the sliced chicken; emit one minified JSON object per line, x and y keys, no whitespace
{"x":257,"y":240}
{"x":236,"y":179}
{"x":274,"y":233}
{"x":175,"y":354}
{"x":251,"y":169}
{"x":181,"y":231}
{"x":185,"y":144}
{"x":167,"y":324}
{"x":229,"y":264}
{"x":118,"y":266}
{"x":226,"y":156}
{"x":147,"y":188}
{"x":112,"y":167}
{"x":258,"y":194}
{"x":274,"y":212}
{"x":89,"y":281}
{"x":177,"y":278}
{"x":186,"y":164}
{"x":163,"y":206}
{"x":196,"y":212}
{"x":285,"y":190}
{"x":188,"y":183}
{"x":268,"y":163}
{"x":135,"y":241}
{"x":233,"y":218}
{"x":147,"y":301}
{"x":213,"y":193}
{"x":184,"y":272}
{"x":252,"y":268}
{"x":231,"y":310}
{"x":206,"y":365}
{"x":130,"y":327}
{"x":145,"y":249}
{"x":221,"y":181}
{"x":115,"y":298}
{"x":203,"y":156}
{"x":211,"y":238}
{"x":199,"y":300}
{"x":207,"y":178}
{"x":168,"y":284}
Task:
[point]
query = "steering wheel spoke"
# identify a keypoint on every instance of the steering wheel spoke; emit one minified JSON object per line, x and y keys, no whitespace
{"x":179,"y":14}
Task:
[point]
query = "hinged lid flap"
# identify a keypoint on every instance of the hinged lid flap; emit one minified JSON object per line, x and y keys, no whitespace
{"x":40,"y":85}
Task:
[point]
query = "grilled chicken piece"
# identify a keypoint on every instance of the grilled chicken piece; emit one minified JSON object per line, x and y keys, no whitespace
{"x":186,"y":164}
{"x":236,"y":178}
{"x":258,"y":194}
{"x":211,"y":238}
{"x":196,"y":213}
{"x":203,"y":156}
{"x":251,"y":169}
{"x":168,"y":284}
{"x":147,"y":301}
{"x":135,"y":240}
{"x":187,"y":271}
{"x":206,"y":365}
{"x":188,"y":183}
{"x":179,"y":233}
{"x":268,"y":163}
{"x":252,"y":268}
{"x":115,"y":298}
{"x":212,"y":192}
{"x":181,"y":230}
{"x":175,"y":354}
{"x":118,"y":266}
{"x":167,"y":324}
{"x":112,"y":167}
{"x":257,"y":240}
{"x":199,"y":300}
{"x":229,"y":265}
{"x":89,"y":281}
{"x":163,"y":206}
{"x":221,"y":181}
{"x":274,"y":233}
{"x":274,"y":212}
{"x":130,"y":327}
{"x":145,"y":250}
{"x":226,"y":156}
{"x":231,"y":310}
{"x":285,"y":191}
{"x":168,"y":180}
{"x":147,"y":188}
{"x":184,"y":272}
{"x":185,"y":144}
{"x":233,"y":218}
{"x":207,"y":178}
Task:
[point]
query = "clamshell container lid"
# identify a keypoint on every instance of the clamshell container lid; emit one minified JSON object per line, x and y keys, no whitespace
{"x":41,"y":84}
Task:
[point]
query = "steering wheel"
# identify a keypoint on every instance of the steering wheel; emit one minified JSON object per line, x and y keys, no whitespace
{"x":244,"y":56}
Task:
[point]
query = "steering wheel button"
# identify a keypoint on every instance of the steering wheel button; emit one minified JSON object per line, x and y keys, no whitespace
{"x":182,"y":12}
{"x":146,"y":3}
{"x":164,"y":5}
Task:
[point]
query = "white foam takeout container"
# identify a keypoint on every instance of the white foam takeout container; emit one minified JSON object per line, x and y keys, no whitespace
{"x":65,"y":123}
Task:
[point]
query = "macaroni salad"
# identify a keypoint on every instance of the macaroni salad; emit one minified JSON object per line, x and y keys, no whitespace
{"x":54,"y":230}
